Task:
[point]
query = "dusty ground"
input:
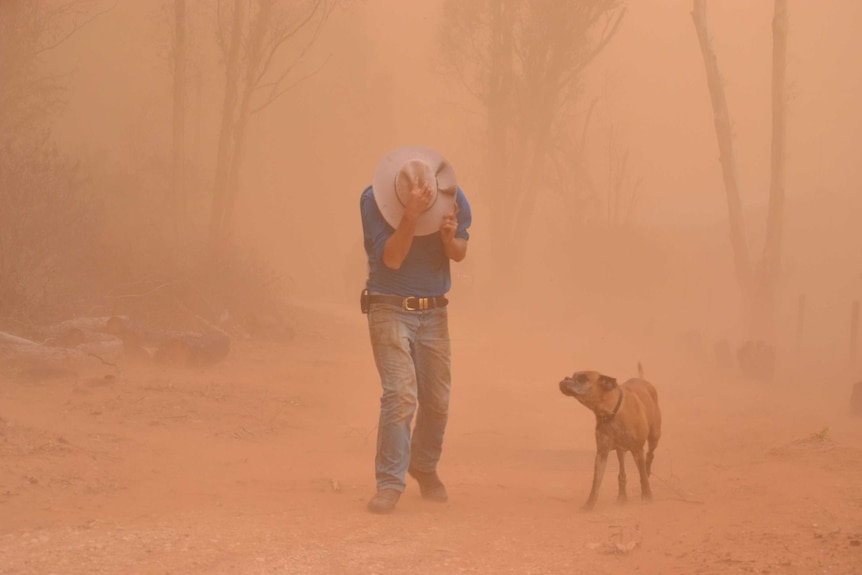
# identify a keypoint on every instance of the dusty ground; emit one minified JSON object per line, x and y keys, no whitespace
{"x":263,"y":464}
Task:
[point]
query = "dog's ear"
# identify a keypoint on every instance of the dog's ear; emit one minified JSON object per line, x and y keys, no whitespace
{"x":608,"y":383}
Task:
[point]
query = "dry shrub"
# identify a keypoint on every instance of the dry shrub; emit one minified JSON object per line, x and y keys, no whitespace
{"x":48,"y":232}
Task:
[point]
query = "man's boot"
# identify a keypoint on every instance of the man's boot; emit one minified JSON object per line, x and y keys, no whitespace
{"x":384,"y":501}
{"x":430,"y":485}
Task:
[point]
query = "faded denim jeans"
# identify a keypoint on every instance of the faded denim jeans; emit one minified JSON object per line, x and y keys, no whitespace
{"x":412,"y":353}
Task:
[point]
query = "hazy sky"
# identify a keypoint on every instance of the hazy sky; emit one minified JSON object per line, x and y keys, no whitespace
{"x":382,"y":82}
{"x":650,"y":79}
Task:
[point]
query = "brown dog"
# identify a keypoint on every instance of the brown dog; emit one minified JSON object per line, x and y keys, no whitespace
{"x":627,"y":417}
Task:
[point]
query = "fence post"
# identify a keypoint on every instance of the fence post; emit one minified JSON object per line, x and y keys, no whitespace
{"x":854,"y":330}
{"x":800,"y":322}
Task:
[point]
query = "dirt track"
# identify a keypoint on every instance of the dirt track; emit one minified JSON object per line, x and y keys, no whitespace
{"x":264,"y":464}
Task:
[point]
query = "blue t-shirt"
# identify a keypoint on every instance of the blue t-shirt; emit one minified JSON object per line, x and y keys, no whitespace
{"x":425,"y":270}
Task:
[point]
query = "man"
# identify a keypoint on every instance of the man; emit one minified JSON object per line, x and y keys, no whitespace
{"x":414,"y":220}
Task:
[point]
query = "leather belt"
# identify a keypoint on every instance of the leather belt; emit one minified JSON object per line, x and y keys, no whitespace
{"x":410,"y":303}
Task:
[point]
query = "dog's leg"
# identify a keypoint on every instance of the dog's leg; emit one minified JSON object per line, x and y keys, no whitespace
{"x":598,"y":473}
{"x":653,"y":443}
{"x":621,"y":496}
{"x":646,"y":492}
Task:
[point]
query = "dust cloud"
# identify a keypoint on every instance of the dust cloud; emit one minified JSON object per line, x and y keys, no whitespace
{"x":378,"y":79}
{"x":658,"y":287}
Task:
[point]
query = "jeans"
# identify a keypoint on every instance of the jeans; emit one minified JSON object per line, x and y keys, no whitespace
{"x":412,"y":354}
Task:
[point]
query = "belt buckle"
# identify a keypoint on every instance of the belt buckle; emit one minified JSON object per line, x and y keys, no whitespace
{"x":421,"y":303}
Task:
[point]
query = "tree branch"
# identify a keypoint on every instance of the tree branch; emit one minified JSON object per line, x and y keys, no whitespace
{"x":76,"y":27}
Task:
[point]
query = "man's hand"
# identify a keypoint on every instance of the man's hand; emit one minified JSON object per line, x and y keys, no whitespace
{"x":419,"y":200}
{"x":455,"y":248}
{"x":449,"y":225}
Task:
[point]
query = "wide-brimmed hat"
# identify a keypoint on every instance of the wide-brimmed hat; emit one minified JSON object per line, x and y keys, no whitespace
{"x":391,"y":186}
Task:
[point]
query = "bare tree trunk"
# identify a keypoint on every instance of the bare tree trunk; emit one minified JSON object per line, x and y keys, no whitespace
{"x":256,"y":37}
{"x":758,"y":285}
{"x":771,"y":265}
{"x":196,"y":136}
{"x":725,"y":145}
{"x":499,"y":110}
{"x":779,"y":113}
{"x":533,"y":75}
{"x":179,"y":135}
{"x":226,"y":135}
{"x":255,"y":55}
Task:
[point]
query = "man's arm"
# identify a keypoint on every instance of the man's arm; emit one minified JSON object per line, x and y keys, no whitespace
{"x":398,"y":245}
{"x":456,"y":249}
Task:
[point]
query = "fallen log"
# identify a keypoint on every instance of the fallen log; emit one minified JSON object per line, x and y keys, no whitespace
{"x":74,"y":332}
{"x":107,"y":340}
{"x":34,"y":361}
{"x":8,"y":338}
{"x":183,"y":348}
{"x":194,"y":350}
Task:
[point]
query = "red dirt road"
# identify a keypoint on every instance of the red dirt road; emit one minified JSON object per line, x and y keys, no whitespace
{"x":264,"y":464}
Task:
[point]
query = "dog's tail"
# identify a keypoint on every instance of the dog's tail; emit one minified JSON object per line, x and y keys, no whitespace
{"x":640,"y":371}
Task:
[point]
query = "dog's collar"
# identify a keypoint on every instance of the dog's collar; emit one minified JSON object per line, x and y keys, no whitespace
{"x":610,"y":416}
